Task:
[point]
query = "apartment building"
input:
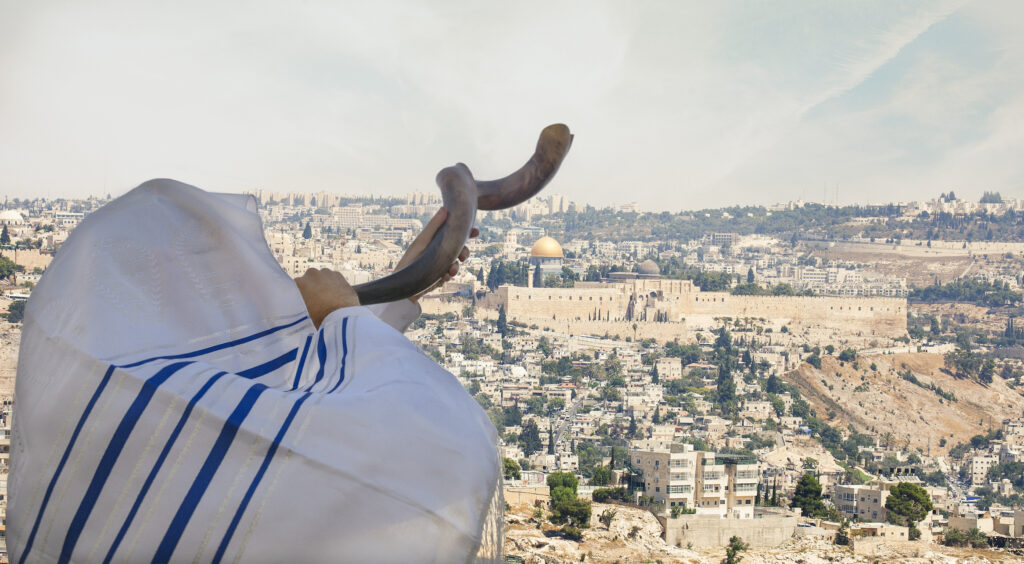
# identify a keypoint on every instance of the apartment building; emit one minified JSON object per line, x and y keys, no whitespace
{"x":865,"y":502}
{"x":711,"y":484}
{"x":670,"y":368}
{"x":980,"y":465}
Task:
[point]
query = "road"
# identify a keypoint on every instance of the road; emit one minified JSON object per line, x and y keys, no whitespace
{"x":569,"y":417}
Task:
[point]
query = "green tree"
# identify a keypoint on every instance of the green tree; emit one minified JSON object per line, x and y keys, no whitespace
{"x":538,"y":277}
{"x":574,"y":512}
{"x":562,"y":480}
{"x":554,"y":405}
{"x":750,"y":275}
{"x":8,"y":268}
{"x":567,"y":508}
{"x":502,"y":322}
{"x":529,"y":438}
{"x":16,"y":311}
{"x":606,"y":518}
{"x":814,"y":360}
{"x":808,"y":496}
{"x":602,"y":476}
{"x":908,"y":504}
{"x":5,"y":237}
{"x":535,"y":405}
{"x":307,"y":232}
{"x":511,"y":469}
{"x":976,"y":538}
{"x":800,"y":408}
{"x":953,"y":537}
{"x":732,"y":552}
{"x":544,"y":346}
{"x":988,"y":369}
{"x":843,"y":534}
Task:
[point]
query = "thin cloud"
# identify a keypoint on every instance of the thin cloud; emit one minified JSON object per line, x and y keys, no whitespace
{"x":674,"y":105}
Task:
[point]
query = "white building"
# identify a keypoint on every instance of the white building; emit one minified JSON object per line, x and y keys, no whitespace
{"x":710,"y":484}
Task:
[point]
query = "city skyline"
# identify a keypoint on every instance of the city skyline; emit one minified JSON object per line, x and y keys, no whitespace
{"x":435,"y":196}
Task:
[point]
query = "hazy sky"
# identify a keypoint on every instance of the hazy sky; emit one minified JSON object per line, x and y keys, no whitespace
{"x":675,"y":105}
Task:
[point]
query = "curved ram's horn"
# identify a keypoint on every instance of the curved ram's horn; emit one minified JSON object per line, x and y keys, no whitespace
{"x":522,"y":184}
{"x":462,"y":195}
{"x":458,"y":192}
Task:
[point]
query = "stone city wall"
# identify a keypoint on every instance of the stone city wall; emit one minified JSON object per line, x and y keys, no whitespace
{"x":667,"y":315}
{"x":710,"y":532}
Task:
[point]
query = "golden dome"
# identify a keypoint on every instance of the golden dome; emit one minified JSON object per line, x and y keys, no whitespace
{"x":546,"y":247}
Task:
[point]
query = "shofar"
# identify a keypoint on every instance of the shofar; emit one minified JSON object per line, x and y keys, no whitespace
{"x":463,"y":195}
{"x":174,"y":403}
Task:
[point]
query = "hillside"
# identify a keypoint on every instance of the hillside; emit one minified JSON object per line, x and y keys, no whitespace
{"x":881,"y":401}
{"x":609,"y":545}
{"x":600,"y":544}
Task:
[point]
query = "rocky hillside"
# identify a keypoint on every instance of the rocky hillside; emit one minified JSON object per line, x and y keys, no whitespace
{"x":541,"y":545}
{"x":618,"y":543}
{"x":879,"y":400}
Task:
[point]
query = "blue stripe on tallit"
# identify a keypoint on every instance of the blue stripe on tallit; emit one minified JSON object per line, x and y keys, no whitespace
{"x":259,"y":476}
{"x":206,"y":473}
{"x":95,"y":397}
{"x":302,"y":363}
{"x":269,"y":366}
{"x":63,"y":460}
{"x":159,"y":462}
{"x":112,"y":453}
{"x":254,"y":372}
{"x":321,"y":355}
{"x":344,"y":354}
{"x":221,"y":346}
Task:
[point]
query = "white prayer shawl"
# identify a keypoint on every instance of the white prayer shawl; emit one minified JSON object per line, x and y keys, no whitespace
{"x":174,"y":403}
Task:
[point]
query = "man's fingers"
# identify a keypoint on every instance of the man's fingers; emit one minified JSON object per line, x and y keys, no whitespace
{"x":464,"y":254}
{"x":474,"y":232}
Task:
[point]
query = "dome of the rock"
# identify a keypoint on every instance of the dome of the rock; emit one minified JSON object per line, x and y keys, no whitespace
{"x":546,"y":247}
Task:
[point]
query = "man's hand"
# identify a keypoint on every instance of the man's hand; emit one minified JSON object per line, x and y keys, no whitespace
{"x":325,"y":291}
{"x":419,"y":244}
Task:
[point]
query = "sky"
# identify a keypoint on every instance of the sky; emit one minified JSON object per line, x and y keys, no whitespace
{"x":674,"y":105}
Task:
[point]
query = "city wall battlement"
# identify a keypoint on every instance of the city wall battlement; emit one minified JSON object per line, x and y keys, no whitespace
{"x":667,"y":309}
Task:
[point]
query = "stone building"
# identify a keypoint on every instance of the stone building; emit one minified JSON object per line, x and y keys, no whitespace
{"x":865,"y":502}
{"x":711,"y":484}
{"x":646,"y":305}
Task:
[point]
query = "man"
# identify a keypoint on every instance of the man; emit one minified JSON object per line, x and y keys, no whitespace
{"x":179,"y":398}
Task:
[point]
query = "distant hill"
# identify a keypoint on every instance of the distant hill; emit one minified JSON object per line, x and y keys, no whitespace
{"x":882,"y":401}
